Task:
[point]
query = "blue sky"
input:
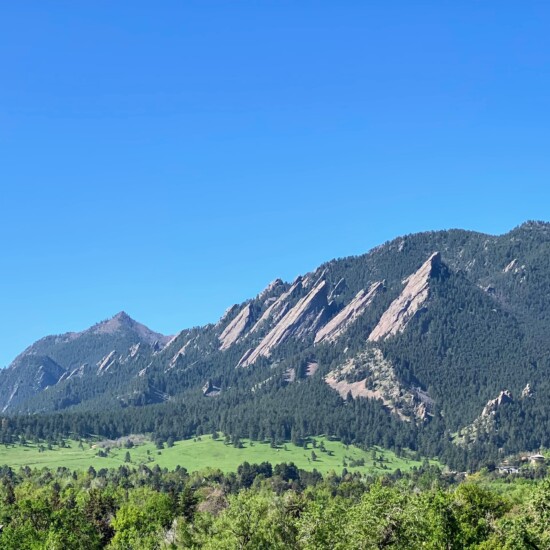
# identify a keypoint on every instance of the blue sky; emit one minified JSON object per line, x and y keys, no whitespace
{"x":170,"y":159}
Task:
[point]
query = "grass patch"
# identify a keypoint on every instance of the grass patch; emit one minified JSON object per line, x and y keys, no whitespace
{"x":205,"y":452}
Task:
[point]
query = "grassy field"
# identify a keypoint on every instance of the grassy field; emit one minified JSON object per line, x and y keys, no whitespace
{"x":197,"y":454}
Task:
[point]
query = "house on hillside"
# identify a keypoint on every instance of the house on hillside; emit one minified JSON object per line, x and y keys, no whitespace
{"x":505,"y":469}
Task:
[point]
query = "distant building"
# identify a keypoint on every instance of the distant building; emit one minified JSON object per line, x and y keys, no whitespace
{"x":537,"y":459}
{"x":504,"y":469}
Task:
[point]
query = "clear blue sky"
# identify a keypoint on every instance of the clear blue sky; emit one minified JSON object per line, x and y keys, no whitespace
{"x":171,"y":158}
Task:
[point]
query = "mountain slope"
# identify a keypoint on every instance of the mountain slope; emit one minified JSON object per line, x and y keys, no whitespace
{"x":424,"y":329}
{"x":56,"y":359}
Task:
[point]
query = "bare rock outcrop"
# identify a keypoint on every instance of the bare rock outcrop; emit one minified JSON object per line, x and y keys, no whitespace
{"x":312,"y":368}
{"x":512,"y":265}
{"x":411,"y":299}
{"x":133,"y":353}
{"x":289,"y":376}
{"x":173,"y":339}
{"x":503,"y":398}
{"x":371,"y":376}
{"x":134,"y":350}
{"x":305,"y":317}
{"x":342,"y":321}
{"x":210,"y":390}
{"x":527,"y":392}
{"x":123,"y":322}
{"x":236,"y":328}
{"x":485,"y":422}
{"x":78,"y":372}
{"x":515,"y":268}
{"x":279,"y":306}
{"x":107,"y":362}
{"x":180,"y":353}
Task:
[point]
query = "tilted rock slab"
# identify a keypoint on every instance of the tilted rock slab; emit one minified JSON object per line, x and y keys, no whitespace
{"x":279,"y":307}
{"x":343,"y":320}
{"x":403,"y":308}
{"x":180,"y":353}
{"x":304,"y":317}
{"x":107,"y":362}
{"x":235,"y":329}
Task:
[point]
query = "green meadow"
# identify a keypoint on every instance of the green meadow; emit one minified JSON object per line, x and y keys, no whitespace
{"x":205,"y":452}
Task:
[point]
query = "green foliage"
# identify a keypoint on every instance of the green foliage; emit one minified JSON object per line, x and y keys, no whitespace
{"x":139,"y":520}
{"x":265,"y":507}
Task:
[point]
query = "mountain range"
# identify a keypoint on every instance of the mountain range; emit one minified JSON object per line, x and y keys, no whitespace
{"x":425,"y":333}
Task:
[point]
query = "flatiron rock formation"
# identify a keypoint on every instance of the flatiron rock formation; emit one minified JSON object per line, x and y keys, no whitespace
{"x":235,"y":329}
{"x":306,"y":316}
{"x":403,"y":308}
{"x":342,"y":321}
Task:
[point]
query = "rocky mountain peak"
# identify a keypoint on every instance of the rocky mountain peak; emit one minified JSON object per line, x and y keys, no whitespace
{"x":411,"y":299}
{"x":115,"y":323}
{"x":122,"y":322}
{"x":123,"y":317}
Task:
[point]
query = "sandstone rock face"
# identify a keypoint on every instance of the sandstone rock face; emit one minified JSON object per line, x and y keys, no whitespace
{"x":403,"y":308}
{"x":235,"y":329}
{"x":78,"y":372}
{"x":342,"y":321}
{"x":134,"y":349}
{"x":515,"y":268}
{"x":289,"y":376}
{"x":510,"y":266}
{"x":180,"y":353}
{"x":493,"y":404}
{"x":173,"y":339}
{"x":527,"y":392}
{"x":311,"y":369}
{"x":306,"y":316}
{"x":13,"y":393}
{"x":279,"y":306}
{"x":485,"y":422}
{"x":371,"y":376}
{"x":107,"y":362}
